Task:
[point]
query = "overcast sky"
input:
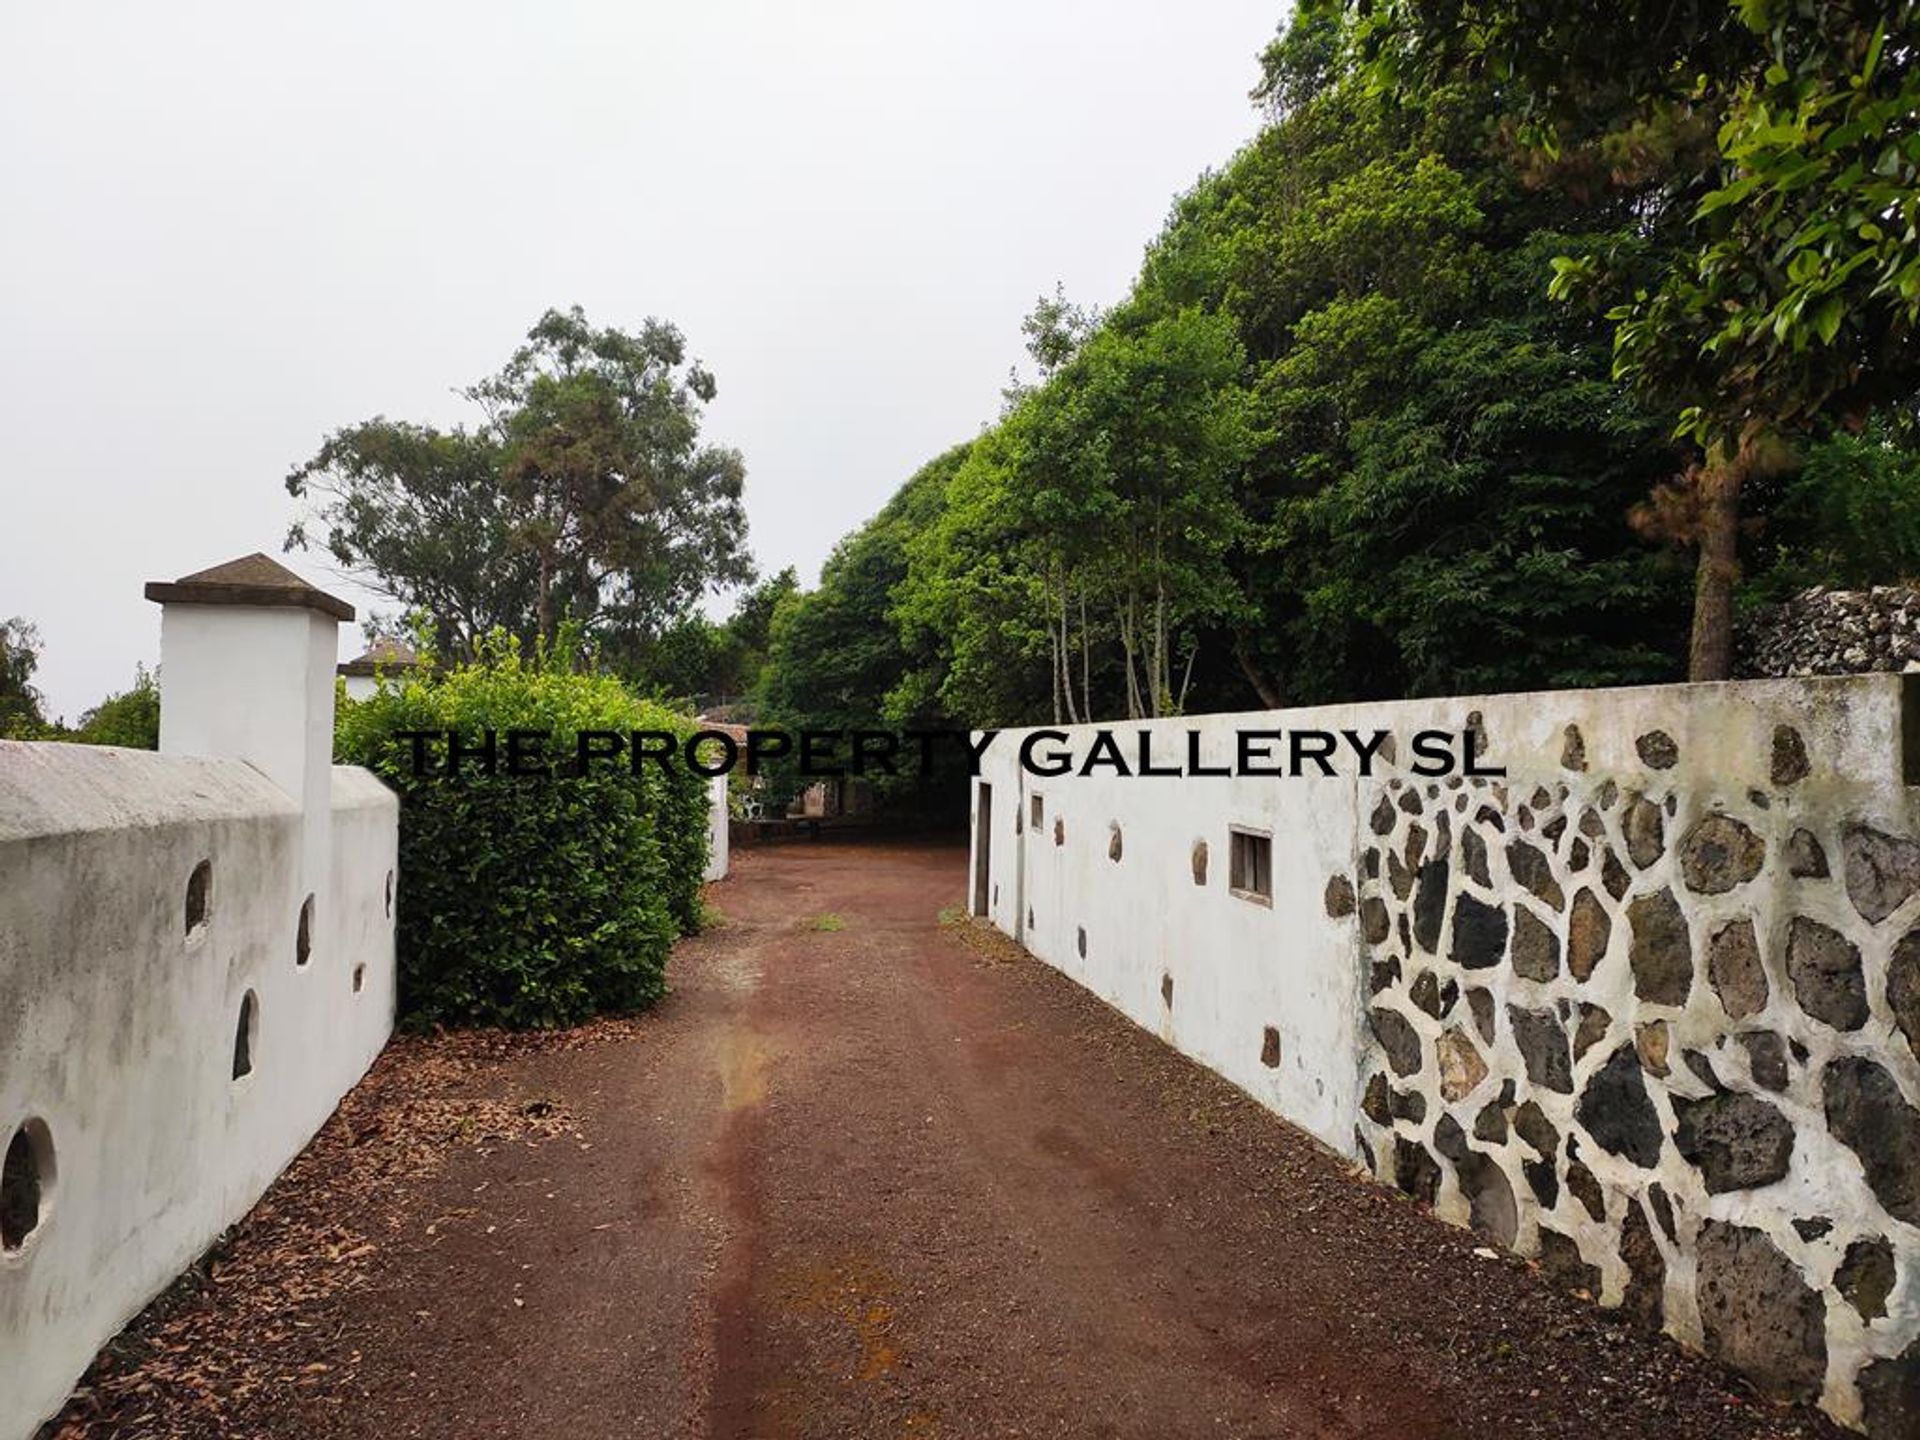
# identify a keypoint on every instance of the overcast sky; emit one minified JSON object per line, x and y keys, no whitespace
{"x":226,"y":229}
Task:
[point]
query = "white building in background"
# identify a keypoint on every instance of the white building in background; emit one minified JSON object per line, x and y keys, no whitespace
{"x":196,"y":963}
{"x":386,"y":657}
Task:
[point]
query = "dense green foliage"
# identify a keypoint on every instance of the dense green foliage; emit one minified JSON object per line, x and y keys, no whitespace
{"x":532,"y":901}
{"x":130,"y":718}
{"x":1774,"y":145}
{"x":585,"y":495}
{"x":20,"y":715}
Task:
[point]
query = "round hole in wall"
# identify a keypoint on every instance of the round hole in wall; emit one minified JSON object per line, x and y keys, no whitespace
{"x":245,"y":1034}
{"x":303,"y":941}
{"x":389,"y":894}
{"x":359,"y":978}
{"x":26,"y":1182}
{"x":199,"y":899}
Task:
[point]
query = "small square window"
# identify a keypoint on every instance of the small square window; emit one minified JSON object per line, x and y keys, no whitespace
{"x":1036,"y":813}
{"x":1250,"y":865}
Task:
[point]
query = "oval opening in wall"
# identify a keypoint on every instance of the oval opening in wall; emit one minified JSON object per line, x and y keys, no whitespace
{"x":26,"y":1184}
{"x":303,"y":941}
{"x":246,"y":1034}
{"x":199,"y":909}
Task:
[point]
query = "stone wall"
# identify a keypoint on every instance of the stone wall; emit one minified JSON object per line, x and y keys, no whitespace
{"x":1645,"y":1008}
{"x":1833,"y":632}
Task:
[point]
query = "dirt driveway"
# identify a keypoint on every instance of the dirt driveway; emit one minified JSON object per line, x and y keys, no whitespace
{"x":864,"y":1174}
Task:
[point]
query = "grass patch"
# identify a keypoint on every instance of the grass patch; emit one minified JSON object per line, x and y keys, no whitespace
{"x":828,"y":921}
{"x":953,"y":915}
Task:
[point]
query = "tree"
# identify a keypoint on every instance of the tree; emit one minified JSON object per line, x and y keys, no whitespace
{"x":585,"y":494}
{"x":1790,"y":304}
{"x":20,"y":702}
{"x":130,"y":717}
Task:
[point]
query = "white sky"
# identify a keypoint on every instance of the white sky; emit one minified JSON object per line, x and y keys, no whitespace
{"x":226,"y":229}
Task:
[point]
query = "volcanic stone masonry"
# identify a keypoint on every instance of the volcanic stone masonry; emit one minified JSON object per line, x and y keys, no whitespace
{"x":1664,"y":1038}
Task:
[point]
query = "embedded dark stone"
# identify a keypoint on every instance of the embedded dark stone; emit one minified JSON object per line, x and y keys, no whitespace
{"x":1509,"y":1092}
{"x":1650,"y":1041}
{"x":1366,"y":1150}
{"x":1560,"y":1262}
{"x":1645,"y":1297}
{"x":1540,"y":799}
{"x":1442,"y":834}
{"x":1383,"y":974}
{"x":1370,"y":862}
{"x":1865,"y":1277}
{"x":1734,"y":968}
{"x":1703,"y":1068}
{"x":1542,"y":1043}
{"x":1414,"y":1170}
{"x":1114,"y":848}
{"x":1398,"y":1038}
{"x":1825,"y":969}
{"x":1339,"y":897}
{"x":1473,"y":855}
{"x":1270,"y":1047}
{"x":1867,"y":1113}
{"x":1450,"y":1140}
{"x":1645,"y":831}
{"x":1615,"y":1111}
{"x":1530,"y":868}
{"x":1406,"y":933}
{"x":1589,"y":928}
{"x":1584,"y":1188}
{"x":1480,"y":1002}
{"x":1381,"y":821}
{"x":1430,"y":905}
{"x":1410,"y":801}
{"x":1198,"y":860}
{"x":1536,"y":949}
{"x":1490,"y":1125}
{"x":1554,"y":829}
{"x":1479,"y":933}
{"x":1739,"y":1142}
{"x":1491,"y":1208}
{"x":1759,"y":799}
{"x":1375,"y":923}
{"x":1881,"y":870}
{"x":1806,"y":858}
{"x":1657,"y":750}
{"x":1425,"y":992}
{"x":1449,"y":997}
{"x":1594,"y":1024}
{"x":1662,"y":951}
{"x":1789,"y":756}
{"x":1416,"y":845}
{"x":1578,"y":855}
{"x":1489,"y":816}
{"x":1890,"y":1395}
{"x":1373,"y":1104}
{"x":1613,"y":875}
{"x":1812,"y":1228}
{"x":1573,"y":749}
{"x":1766,"y":1058}
{"x":1059,"y":831}
{"x":1531,"y":1124}
{"x":1718,"y":853}
{"x":1607,"y":794}
{"x":1543,"y":1180}
{"x":1591,"y":825}
{"x":1166,"y":990}
{"x":1399,"y":877}
{"x":1757,"y":1313}
{"x":1903,"y":988}
{"x":1663,"y":1212}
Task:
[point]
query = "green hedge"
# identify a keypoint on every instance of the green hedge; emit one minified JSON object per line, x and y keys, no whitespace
{"x":531,"y":902}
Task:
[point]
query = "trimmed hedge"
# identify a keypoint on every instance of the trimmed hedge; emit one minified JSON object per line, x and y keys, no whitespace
{"x":524,"y":901}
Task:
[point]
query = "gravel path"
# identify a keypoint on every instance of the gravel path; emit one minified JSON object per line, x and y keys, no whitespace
{"x":863,"y":1174}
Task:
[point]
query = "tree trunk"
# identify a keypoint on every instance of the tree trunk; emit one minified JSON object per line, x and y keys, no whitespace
{"x":1710,"y":651}
{"x":1263,"y":684}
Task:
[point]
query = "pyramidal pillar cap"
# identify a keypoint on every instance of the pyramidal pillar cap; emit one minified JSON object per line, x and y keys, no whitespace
{"x":254,"y":579}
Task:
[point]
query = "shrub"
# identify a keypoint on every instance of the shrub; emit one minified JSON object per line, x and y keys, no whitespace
{"x":527,"y":901}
